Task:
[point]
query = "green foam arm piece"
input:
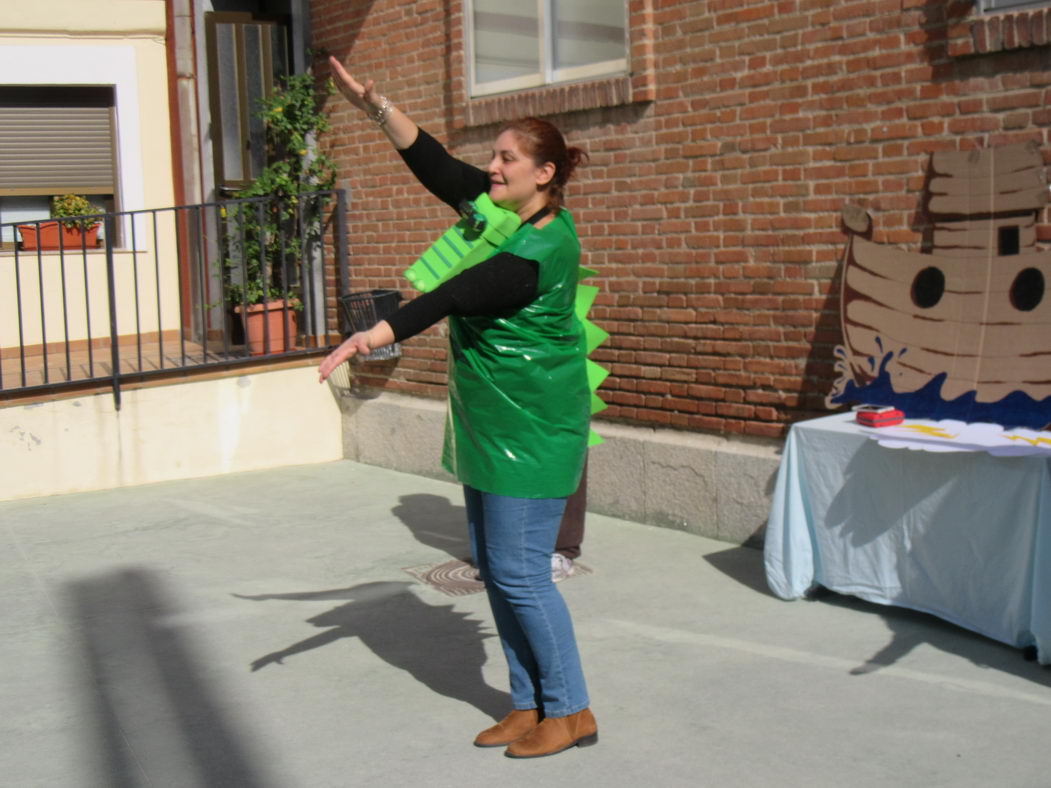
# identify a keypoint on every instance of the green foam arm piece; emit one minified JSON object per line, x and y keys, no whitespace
{"x":460,"y":247}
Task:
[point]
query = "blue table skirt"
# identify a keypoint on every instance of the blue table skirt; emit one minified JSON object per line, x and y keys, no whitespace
{"x":964,"y":536}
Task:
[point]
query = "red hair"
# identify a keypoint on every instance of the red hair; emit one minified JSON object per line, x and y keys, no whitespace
{"x":543,"y":142}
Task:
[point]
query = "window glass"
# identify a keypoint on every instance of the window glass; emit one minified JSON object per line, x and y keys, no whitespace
{"x":229,"y":103}
{"x":587,"y":32}
{"x":257,"y":87}
{"x":999,"y":6}
{"x":521,"y":44}
{"x":245,"y":59}
{"x":506,"y":39}
{"x":54,"y":140}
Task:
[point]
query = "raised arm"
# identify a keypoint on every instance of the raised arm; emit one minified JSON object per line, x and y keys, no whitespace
{"x":443,"y":175}
{"x":400,"y":130}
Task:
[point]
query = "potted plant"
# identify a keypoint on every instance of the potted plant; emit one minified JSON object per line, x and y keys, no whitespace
{"x":264,"y":241}
{"x":66,"y":230}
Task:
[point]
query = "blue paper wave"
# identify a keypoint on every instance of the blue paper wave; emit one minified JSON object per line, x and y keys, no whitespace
{"x":1017,"y":409}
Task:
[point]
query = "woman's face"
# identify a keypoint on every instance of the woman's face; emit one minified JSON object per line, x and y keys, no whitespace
{"x":515,"y":180}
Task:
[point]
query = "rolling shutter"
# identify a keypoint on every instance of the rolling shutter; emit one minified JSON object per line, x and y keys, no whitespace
{"x":56,"y":140}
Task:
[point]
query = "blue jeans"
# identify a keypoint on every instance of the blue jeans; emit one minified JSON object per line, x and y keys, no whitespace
{"x":512,"y":540}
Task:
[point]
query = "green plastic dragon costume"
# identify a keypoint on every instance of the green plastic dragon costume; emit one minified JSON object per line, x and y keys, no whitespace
{"x":502,"y":370}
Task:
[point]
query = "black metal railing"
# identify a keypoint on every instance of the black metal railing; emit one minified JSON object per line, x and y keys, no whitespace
{"x":170,"y":289}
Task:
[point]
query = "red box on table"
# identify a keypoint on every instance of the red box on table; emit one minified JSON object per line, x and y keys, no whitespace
{"x":878,"y":416}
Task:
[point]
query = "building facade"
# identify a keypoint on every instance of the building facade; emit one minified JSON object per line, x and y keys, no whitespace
{"x":725,"y":143}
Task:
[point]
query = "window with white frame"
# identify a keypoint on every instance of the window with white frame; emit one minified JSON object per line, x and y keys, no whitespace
{"x":55,"y":140}
{"x":518,"y":44}
{"x":998,"y":6}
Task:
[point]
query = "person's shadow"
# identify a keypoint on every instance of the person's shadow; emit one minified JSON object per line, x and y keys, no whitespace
{"x":910,"y":629}
{"x":435,"y":522}
{"x":435,"y":644}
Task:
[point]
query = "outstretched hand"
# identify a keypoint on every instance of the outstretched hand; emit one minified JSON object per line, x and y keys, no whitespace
{"x":269,"y":659}
{"x":364,"y":97}
{"x":354,"y":344}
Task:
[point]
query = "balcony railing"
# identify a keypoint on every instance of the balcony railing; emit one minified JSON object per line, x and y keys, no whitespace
{"x":172,"y":289}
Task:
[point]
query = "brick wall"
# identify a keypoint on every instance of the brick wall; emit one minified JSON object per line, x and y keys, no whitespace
{"x":712,"y":211}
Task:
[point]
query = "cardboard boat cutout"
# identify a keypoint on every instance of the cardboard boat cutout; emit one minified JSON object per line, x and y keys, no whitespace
{"x":963,"y":330}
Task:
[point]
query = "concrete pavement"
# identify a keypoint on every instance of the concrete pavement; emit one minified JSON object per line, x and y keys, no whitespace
{"x":258,"y":629}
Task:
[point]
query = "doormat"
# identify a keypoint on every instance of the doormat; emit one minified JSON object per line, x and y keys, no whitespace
{"x":459,"y":578}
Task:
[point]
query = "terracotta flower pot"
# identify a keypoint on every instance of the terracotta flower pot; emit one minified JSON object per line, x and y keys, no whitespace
{"x":257,"y":316}
{"x":55,"y":235}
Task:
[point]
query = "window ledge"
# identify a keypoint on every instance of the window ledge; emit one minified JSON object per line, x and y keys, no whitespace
{"x":555,"y":100}
{"x":1001,"y":33}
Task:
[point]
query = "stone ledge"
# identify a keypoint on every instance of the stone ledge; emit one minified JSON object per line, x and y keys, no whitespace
{"x":550,"y":100}
{"x":707,"y":485}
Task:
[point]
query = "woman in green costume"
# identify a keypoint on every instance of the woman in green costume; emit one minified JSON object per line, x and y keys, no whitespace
{"x":517,"y":429}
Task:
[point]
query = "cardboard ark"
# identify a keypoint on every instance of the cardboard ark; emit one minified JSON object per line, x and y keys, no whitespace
{"x":961,"y":331}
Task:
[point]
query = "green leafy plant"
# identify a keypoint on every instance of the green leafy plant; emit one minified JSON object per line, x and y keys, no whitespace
{"x":266,"y":239}
{"x":66,"y":207}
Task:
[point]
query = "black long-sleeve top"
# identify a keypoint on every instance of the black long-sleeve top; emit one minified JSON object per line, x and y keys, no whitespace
{"x":501,"y":284}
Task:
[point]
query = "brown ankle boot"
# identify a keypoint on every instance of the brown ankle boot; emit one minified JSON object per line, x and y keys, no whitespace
{"x":555,"y":734}
{"x":515,"y":725}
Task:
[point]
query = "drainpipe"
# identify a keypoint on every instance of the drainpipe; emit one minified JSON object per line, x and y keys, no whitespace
{"x":182,"y":102}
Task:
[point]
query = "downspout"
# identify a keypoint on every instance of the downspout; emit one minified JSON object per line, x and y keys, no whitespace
{"x":185,"y":144}
{"x":182,"y":102}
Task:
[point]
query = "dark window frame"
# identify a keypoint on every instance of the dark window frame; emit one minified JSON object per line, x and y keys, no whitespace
{"x":250,"y":166}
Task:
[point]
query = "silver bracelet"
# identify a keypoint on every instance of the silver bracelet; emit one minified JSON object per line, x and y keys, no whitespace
{"x":382,"y":114}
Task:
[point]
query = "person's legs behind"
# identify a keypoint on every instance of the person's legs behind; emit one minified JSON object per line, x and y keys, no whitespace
{"x":571,"y":531}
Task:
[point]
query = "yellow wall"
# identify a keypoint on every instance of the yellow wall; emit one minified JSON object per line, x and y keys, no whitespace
{"x":79,"y":18}
{"x":118,"y":42}
{"x":90,"y":35}
{"x":74,"y":312}
{"x":202,"y":428}
{"x":181,"y":431}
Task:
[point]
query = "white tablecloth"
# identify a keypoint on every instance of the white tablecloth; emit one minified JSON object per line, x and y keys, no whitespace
{"x":965,"y":536}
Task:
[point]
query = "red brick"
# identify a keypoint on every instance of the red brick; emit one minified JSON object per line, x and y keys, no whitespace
{"x":713,"y":212}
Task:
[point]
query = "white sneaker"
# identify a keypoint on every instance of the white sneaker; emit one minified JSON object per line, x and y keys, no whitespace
{"x":561,"y":567}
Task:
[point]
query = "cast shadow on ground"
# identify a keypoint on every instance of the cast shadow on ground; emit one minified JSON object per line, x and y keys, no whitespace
{"x":911,"y":628}
{"x":143,"y":670}
{"x":743,"y":564}
{"x":435,"y":522}
{"x":908,"y":628}
{"x":438,"y":646}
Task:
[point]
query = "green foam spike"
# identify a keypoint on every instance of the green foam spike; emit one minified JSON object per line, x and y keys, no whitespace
{"x":463,"y":244}
{"x":585,"y":298}
{"x":593,"y":336}
{"x":596,"y":374}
